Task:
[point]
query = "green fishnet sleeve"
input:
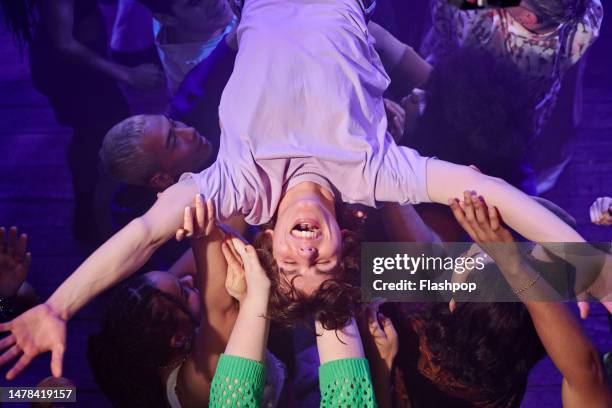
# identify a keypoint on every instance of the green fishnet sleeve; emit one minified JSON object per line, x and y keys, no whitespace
{"x":346,"y":383}
{"x":238,"y":382}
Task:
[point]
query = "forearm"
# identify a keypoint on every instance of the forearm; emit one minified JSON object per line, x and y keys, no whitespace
{"x":565,"y":342}
{"x":114,"y":261}
{"x":559,"y":331}
{"x":403,"y":64}
{"x":250,"y":334}
{"x":520,"y":212}
{"x":339,"y":344}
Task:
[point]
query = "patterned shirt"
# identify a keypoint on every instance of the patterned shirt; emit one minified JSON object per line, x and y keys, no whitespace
{"x":543,"y":58}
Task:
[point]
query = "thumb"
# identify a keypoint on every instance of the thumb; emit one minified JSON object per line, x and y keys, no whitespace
{"x":57,"y":357}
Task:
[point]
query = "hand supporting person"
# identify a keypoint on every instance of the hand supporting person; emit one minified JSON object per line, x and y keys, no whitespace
{"x":563,"y":338}
{"x":381,"y":345}
{"x":240,"y":374}
{"x":43,"y":328}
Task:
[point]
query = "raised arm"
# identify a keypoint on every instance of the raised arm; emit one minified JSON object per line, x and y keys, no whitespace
{"x":240,"y":374}
{"x":403,"y":64}
{"x":219,"y":311}
{"x":43,"y":327}
{"x":344,"y":375}
{"x":584,"y":384}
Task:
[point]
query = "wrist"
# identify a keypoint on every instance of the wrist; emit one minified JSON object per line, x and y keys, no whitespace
{"x":255,"y":301}
{"x":54,"y":307}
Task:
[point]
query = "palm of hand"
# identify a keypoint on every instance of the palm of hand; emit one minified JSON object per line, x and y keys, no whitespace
{"x":36,"y":331}
{"x":235,"y":282}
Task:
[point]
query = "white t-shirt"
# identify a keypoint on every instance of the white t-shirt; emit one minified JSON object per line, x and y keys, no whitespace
{"x":305,"y":103}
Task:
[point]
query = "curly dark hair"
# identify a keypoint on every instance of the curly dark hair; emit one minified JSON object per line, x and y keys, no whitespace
{"x":487,"y":347}
{"x":134,"y":343}
{"x":336,"y":299}
{"x":478,"y":111}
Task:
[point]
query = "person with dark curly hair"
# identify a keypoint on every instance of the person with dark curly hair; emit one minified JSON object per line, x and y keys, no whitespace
{"x":161,"y":336}
{"x":303,"y":128}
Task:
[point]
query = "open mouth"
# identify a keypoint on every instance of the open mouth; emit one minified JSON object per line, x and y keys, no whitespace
{"x":306,"y":230}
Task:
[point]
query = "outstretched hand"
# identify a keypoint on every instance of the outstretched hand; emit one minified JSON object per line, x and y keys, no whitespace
{"x":204,"y":224}
{"x":484,"y":225}
{"x":36,"y":331}
{"x":14,"y":261}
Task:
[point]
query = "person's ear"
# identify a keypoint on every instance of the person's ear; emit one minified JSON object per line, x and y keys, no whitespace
{"x":161,"y":181}
{"x":269,"y":233}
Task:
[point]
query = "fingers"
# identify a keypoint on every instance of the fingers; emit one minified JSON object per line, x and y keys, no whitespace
{"x":494,"y":218}
{"x":230,"y":256}
{"x":10,"y":354}
{"x":57,"y":358}
{"x":22,"y":244}
{"x":27,"y":261}
{"x":210,"y":209}
{"x":19,"y":366}
{"x":201,"y":213}
{"x":239,"y":246}
{"x":250,"y":258}
{"x":7,"y":342}
{"x":584,"y":309}
{"x":188,"y":222}
{"x":460,"y":216}
{"x":187,"y":230}
{"x":452,"y":305}
{"x":481,"y":211}
{"x":4,"y":327}
{"x":374,"y":327}
{"x":473,"y":210}
{"x":12,"y":241}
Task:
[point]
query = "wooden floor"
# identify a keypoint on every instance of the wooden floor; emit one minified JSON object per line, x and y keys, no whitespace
{"x":35,"y":194}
